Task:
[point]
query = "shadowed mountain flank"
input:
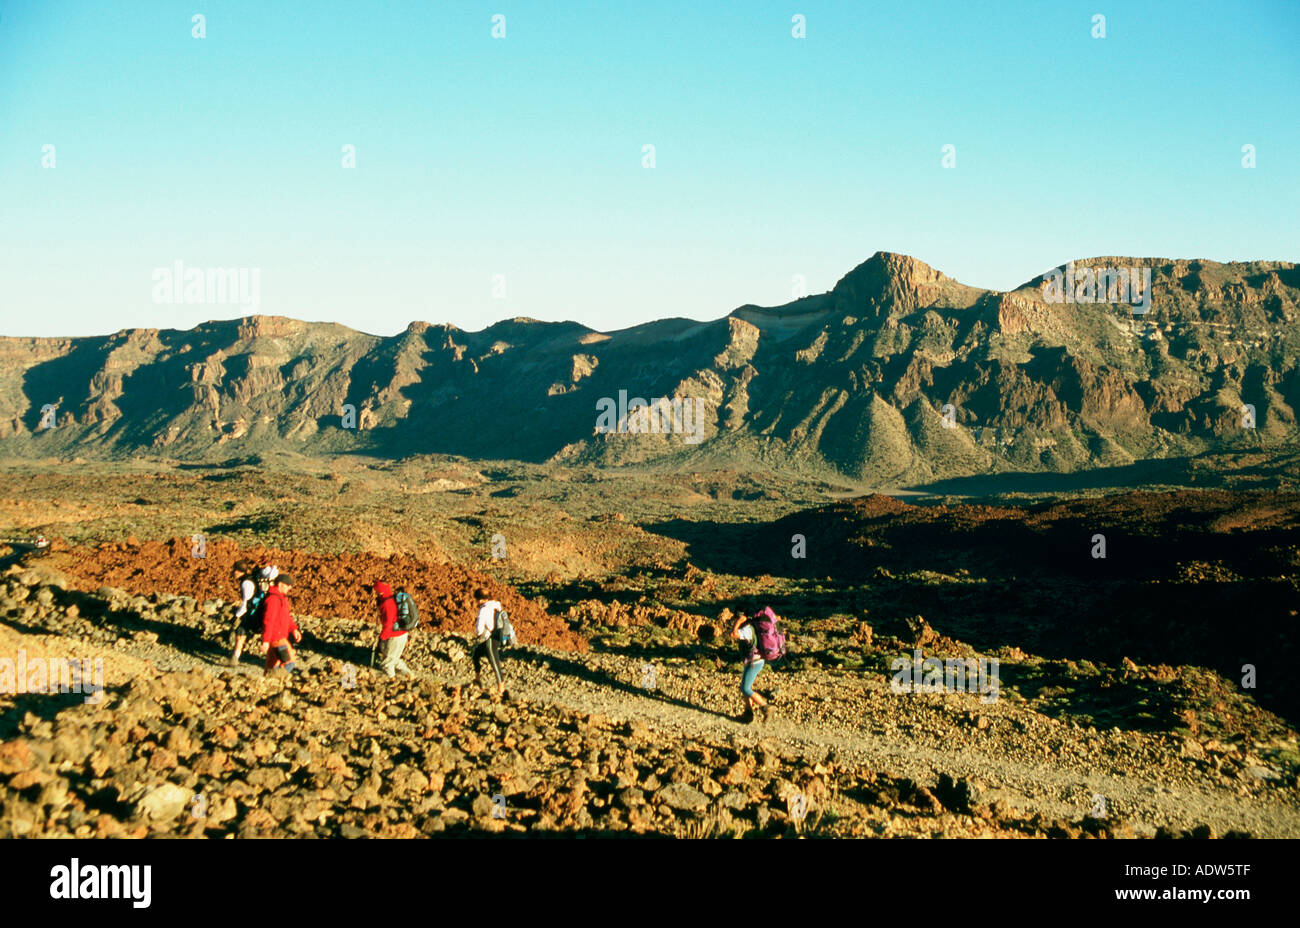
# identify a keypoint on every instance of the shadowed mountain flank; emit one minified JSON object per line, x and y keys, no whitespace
{"x":897,"y":375}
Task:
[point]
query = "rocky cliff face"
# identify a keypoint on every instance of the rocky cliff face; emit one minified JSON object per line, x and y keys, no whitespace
{"x":898,"y":374}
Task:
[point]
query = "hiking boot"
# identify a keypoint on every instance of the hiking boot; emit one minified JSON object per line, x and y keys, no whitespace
{"x":747,"y":716}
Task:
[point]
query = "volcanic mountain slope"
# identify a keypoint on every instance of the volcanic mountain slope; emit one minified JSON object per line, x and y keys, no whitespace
{"x":856,"y":380}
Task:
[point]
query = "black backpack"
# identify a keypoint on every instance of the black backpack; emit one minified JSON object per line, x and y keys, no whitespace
{"x":408,"y":617}
{"x":256,"y":610}
{"x":258,"y":599}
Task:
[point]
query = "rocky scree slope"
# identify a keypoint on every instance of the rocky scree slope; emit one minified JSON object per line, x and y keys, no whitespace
{"x":179,"y":746}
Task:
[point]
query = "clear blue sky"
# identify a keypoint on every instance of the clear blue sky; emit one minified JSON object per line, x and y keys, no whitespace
{"x":522,"y":156}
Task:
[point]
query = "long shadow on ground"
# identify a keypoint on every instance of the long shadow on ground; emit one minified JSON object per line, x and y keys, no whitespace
{"x":602,"y":678}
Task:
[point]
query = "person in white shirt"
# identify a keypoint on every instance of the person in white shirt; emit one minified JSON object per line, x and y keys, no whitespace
{"x":243,"y":571}
{"x":484,"y":631}
{"x":744,"y":632}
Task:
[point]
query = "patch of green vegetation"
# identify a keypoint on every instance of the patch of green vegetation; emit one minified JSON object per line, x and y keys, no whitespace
{"x":849,"y":660}
{"x":1285,"y":758}
{"x":881,"y":660}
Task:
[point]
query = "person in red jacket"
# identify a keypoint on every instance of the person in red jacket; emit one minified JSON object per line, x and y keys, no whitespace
{"x":392,"y":640}
{"x":278,"y":626}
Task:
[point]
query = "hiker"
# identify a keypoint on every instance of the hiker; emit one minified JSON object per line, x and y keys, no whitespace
{"x":759,"y":636}
{"x":242,"y":572}
{"x":278,"y":626}
{"x":392,"y":639}
{"x":247,"y":622}
{"x":487,"y":630}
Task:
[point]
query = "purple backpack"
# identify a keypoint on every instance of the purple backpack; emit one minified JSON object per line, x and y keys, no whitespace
{"x":768,"y":639}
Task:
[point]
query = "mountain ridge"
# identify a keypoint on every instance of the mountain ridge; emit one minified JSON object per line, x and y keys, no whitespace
{"x":896,"y":374}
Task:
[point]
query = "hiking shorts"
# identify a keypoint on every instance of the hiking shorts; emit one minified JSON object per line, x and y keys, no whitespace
{"x":748,"y":677}
{"x":279,"y":653}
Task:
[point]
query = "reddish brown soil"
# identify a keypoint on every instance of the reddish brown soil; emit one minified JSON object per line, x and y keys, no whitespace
{"x":338,"y":586}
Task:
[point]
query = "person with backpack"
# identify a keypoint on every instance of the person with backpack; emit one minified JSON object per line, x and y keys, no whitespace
{"x":256,"y":614}
{"x":493,"y":631}
{"x":249,"y":614}
{"x":278,"y":627}
{"x":244,"y":576}
{"x":393,"y":632}
{"x":760,"y":641}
